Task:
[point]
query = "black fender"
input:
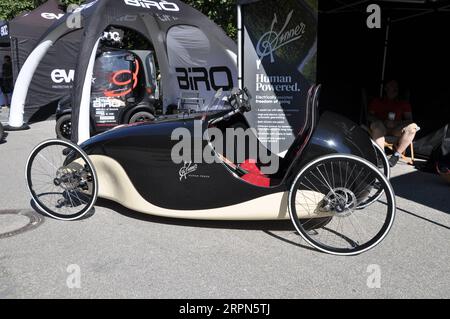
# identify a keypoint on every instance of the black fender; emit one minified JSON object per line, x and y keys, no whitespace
{"x":335,"y":134}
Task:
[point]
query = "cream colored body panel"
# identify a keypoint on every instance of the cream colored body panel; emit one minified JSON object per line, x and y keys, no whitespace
{"x":115,"y":185}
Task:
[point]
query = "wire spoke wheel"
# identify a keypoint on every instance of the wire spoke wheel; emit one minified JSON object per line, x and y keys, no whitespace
{"x":62,"y":180}
{"x":325,"y":205}
{"x":384,"y":167}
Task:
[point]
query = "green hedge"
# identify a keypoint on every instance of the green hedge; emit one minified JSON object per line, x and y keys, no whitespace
{"x":223,"y":12}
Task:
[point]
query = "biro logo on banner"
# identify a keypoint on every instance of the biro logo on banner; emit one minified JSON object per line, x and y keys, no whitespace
{"x":272,"y":40}
{"x":160,"y":5}
{"x":4,"y":31}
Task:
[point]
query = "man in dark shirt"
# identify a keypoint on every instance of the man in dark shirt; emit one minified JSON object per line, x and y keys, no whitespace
{"x":392,"y":116}
{"x":7,"y":79}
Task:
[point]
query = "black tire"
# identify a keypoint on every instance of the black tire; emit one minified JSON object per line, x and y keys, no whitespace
{"x":316,"y":223}
{"x":2,"y":131}
{"x":140,"y":117}
{"x":62,"y":180}
{"x":385,"y":168}
{"x":382,"y":160}
{"x":63,"y":127}
{"x":333,"y":186}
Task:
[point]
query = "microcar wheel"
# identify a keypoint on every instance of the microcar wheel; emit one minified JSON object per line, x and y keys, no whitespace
{"x":64,"y":127}
{"x":61,"y":180}
{"x":333,"y":187}
{"x":142,"y":117}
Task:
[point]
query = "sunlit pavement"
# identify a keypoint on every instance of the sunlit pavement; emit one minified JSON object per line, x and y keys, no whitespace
{"x":118,"y":253}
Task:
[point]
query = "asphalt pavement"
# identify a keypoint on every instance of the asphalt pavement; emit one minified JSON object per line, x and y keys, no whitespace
{"x":118,"y":253}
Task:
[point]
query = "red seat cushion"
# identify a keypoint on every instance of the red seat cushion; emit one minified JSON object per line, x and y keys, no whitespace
{"x":254,"y":176}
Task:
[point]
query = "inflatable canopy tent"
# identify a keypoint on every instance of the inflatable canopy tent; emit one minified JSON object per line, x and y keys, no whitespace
{"x":48,"y":84}
{"x":193,"y":53}
{"x":5,"y":44}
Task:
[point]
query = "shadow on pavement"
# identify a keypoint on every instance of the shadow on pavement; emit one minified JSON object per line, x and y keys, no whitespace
{"x":3,"y":139}
{"x":423,"y":218}
{"x":38,"y":211}
{"x":425,"y":189}
{"x":291,"y":242}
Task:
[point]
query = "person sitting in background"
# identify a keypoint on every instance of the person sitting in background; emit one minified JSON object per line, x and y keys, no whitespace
{"x":391,"y":116}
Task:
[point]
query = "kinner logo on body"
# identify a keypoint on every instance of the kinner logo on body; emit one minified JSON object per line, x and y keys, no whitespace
{"x":160,"y":5}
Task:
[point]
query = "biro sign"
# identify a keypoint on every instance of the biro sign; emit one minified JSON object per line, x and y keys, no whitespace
{"x":159,"y":5}
{"x":4,"y":31}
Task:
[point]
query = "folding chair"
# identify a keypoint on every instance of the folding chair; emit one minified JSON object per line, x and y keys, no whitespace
{"x":390,"y":143}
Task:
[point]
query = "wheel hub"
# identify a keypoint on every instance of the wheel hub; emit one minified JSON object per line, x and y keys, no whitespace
{"x":68,"y":179}
{"x":341,"y":201}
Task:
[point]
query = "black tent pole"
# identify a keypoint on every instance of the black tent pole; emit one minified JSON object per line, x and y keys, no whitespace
{"x":240,"y":47}
{"x":386,"y":48}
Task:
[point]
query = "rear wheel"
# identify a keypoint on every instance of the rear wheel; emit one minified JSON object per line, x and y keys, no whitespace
{"x":140,"y":117}
{"x":62,"y":180}
{"x":324,"y":205}
{"x":64,"y":127}
{"x":384,"y":167}
{"x":382,"y":160}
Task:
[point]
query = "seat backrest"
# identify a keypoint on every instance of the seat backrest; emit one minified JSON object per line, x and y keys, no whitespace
{"x":315,"y":105}
{"x":311,"y":121}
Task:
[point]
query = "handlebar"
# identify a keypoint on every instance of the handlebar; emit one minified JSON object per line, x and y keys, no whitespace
{"x":240,"y":102}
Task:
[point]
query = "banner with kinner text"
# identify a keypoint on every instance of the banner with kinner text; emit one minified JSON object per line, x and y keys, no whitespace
{"x":278,"y":65}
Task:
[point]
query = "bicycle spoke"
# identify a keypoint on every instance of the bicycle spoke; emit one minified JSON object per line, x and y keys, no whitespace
{"x":58,"y":187}
{"x":350,"y":228}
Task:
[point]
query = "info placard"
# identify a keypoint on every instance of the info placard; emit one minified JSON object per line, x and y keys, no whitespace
{"x":279,"y":66}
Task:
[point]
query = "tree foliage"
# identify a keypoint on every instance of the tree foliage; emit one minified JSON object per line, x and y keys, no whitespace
{"x":11,"y":8}
{"x":223,"y":12}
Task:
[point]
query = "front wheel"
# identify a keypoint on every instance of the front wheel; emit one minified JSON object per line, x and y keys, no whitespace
{"x":62,"y":180}
{"x":332,"y":189}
